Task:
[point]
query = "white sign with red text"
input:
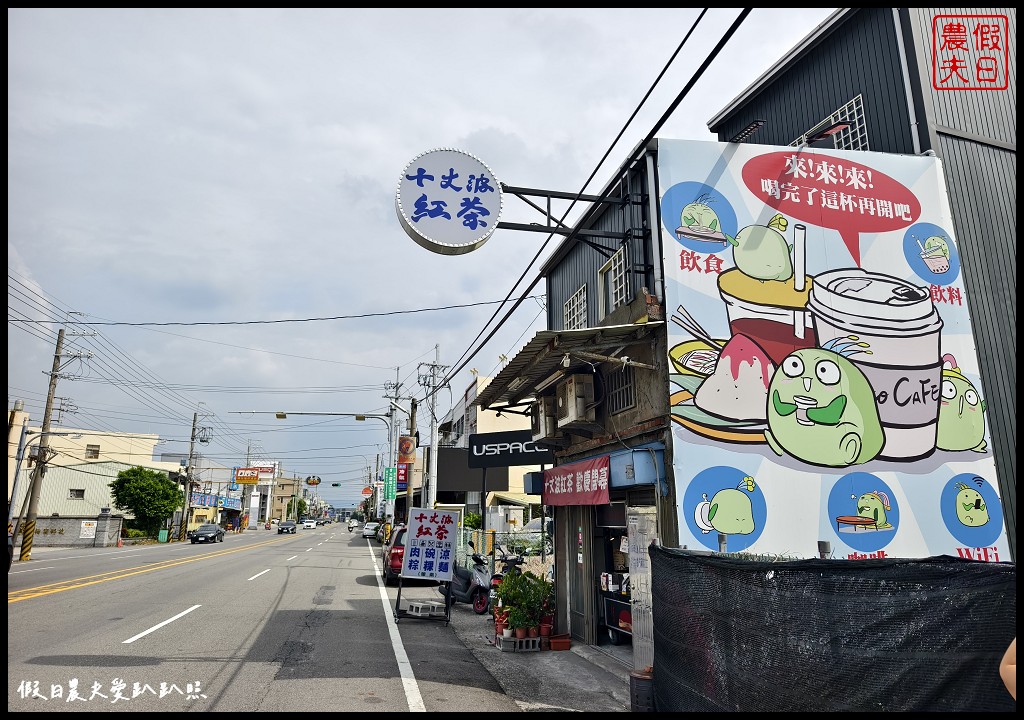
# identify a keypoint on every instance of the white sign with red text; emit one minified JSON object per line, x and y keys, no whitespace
{"x":430,"y":544}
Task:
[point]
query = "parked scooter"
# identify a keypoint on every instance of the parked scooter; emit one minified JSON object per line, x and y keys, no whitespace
{"x":509,"y":563}
{"x":469,"y":585}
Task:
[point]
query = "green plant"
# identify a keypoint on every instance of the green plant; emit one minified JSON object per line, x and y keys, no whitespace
{"x":518,"y":618}
{"x":472,"y":521}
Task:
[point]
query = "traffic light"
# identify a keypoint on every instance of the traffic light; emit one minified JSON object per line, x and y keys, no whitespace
{"x":335,"y":484}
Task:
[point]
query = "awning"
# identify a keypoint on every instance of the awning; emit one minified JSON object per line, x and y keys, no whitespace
{"x":520,"y":499}
{"x":550,"y":355}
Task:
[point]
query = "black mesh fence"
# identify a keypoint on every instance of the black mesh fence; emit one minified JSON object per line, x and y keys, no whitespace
{"x":734,"y":634}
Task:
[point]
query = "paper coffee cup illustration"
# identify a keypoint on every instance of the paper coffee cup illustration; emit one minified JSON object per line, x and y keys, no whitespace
{"x":897,"y":329}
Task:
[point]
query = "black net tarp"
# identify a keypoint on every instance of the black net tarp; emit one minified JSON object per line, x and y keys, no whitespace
{"x":734,"y":634}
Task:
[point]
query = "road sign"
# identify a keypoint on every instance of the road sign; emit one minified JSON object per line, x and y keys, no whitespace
{"x":367,"y":491}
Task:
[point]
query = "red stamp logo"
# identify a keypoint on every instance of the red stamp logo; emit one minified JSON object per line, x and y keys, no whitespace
{"x":970,"y":52}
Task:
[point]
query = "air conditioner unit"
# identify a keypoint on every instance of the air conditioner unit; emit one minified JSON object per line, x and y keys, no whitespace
{"x":543,"y":421}
{"x":575,"y":397}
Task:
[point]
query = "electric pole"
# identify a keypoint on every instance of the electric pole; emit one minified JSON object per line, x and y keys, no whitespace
{"x":429,"y":493}
{"x":412,"y":466}
{"x":40,"y":469}
{"x":187,"y":507}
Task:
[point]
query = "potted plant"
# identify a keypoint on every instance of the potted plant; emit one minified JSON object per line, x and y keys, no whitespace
{"x":518,"y":620}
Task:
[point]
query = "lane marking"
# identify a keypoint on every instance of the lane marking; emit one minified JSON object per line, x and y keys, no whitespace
{"x":409,"y":684}
{"x":18,"y":572}
{"x":73,"y":584}
{"x":156,"y":627}
{"x":258,"y":574}
{"x":291,"y":558}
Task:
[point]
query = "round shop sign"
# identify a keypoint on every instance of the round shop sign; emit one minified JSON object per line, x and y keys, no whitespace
{"x":312,"y":480}
{"x":367,"y":491}
{"x":448,"y":201}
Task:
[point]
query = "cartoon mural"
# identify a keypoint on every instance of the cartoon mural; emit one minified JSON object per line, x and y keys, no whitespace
{"x":821,"y":325}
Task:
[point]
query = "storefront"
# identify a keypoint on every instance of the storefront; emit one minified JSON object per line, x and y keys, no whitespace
{"x":604,"y":508}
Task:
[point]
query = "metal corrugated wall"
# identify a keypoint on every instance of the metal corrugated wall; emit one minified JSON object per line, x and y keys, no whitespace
{"x":861,"y":59}
{"x":582,"y":262}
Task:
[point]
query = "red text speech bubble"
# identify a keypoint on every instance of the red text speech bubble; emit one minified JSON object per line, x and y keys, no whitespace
{"x":832,"y":192}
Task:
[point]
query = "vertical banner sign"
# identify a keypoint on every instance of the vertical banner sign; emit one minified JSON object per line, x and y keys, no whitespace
{"x":406,"y":460}
{"x":390,"y":483}
{"x":429,"y":544}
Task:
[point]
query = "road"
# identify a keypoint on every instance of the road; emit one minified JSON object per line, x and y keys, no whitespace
{"x":259,"y":623}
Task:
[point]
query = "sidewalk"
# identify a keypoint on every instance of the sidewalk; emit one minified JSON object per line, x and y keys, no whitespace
{"x":580,"y":679}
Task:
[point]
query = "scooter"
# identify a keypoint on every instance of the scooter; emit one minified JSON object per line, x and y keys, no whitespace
{"x":509,"y":563}
{"x":469,"y":585}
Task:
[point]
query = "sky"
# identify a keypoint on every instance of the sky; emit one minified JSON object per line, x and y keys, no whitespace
{"x":205,"y":201}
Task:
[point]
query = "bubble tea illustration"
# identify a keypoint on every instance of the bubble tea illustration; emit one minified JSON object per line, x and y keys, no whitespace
{"x":935,"y":254}
{"x":897,"y":327}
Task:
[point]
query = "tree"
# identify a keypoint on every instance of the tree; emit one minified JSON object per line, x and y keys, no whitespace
{"x":149,"y":495}
{"x":472,"y":521}
{"x":296,"y":508}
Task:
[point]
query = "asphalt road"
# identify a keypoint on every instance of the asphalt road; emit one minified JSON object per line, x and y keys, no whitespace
{"x":262,"y":623}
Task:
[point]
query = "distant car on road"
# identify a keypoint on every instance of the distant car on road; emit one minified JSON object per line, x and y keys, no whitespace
{"x":286,"y":526}
{"x":308,"y":524}
{"x":208,"y":533}
{"x":370,"y":529}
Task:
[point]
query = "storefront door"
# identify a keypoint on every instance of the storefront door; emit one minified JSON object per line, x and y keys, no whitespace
{"x":580,"y":557}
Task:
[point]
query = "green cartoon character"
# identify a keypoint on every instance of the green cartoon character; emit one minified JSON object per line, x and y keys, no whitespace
{"x":821,"y":408}
{"x":729,"y":511}
{"x":961,"y":412}
{"x":762,"y":252}
{"x":873,"y":506}
{"x":970,"y":506}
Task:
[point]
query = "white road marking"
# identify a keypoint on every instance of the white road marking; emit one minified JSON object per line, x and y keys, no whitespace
{"x":412,"y":689}
{"x":156,"y":627}
{"x":18,"y":572}
{"x":258,"y":574}
{"x":291,"y":558}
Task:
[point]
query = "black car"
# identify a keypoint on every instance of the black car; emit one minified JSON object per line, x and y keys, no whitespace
{"x":208,"y":534}
{"x":286,"y":526}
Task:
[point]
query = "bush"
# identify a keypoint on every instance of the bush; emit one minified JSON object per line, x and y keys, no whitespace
{"x":131,"y":533}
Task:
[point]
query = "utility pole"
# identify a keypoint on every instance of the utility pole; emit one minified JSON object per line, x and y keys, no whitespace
{"x":412,"y":469}
{"x":186,"y":514}
{"x":40,"y":470}
{"x":393,"y":434}
{"x":430,"y":382}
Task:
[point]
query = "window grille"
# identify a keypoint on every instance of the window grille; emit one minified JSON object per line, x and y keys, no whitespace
{"x":92,"y":452}
{"x":620,"y":389}
{"x":76,"y":494}
{"x":614,"y":277}
{"x":574,"y":312}
{"x":854,"y":137}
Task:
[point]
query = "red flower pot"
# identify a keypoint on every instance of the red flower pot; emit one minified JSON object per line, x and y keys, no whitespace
{"x":545,"y":630}
{"x":533,"y":632}
{"x":520,"y":633}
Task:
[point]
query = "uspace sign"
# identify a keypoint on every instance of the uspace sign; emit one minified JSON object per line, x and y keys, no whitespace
{"x":505,"y":449}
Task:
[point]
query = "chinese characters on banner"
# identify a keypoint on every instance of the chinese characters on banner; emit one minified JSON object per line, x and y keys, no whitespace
{"x":970,"y":52}
{"x":581,"y":483}
{"x":430,"y":544}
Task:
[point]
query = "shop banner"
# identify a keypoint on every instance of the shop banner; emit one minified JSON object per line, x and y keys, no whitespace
{"x":581,"y":483}
{"x":430,"y":544}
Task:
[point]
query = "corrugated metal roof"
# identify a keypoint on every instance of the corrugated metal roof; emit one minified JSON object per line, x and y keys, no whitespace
{"x":543,"y":357}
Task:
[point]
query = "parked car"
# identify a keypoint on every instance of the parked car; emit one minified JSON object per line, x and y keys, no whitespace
{"x":308,"y":524}
{"x":208,"y":533}
{"x":370,"y":529}
{"x":286,"y":526}
{"x":392,"y":553}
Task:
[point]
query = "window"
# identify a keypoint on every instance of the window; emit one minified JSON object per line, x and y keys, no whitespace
{"x":92,"y":452}
{"x":75,"y":494}
{"x":620,"y":389}
{"x":614,"y":280}
{"x":854,"y":137}
{"x":574,"y":312}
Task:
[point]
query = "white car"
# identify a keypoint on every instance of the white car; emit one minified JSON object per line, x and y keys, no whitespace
{"x":309,"y":524}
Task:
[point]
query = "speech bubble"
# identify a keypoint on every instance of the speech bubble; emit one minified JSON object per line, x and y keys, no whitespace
{"x":832,"y":192}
